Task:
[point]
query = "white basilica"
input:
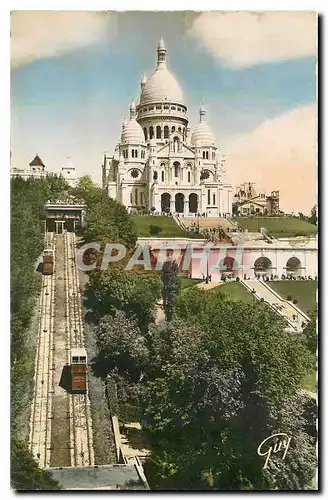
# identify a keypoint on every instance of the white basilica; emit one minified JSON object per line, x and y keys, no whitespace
{"x":159,"y":165}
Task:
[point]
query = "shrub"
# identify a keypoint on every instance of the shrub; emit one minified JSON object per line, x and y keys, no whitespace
{"x":289,"y":297}
{"x":262,"y":299}
{"x":153,"y":229}
{"x":128,"y":413}
{"x":295,"y":301}
{"x":237,"y":279}
{"x":300,"y":234}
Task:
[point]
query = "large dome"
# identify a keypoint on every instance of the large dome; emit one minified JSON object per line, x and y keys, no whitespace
{"x":203,"y":135}
{"x":161,"y":85}
{"x":132,"y":133}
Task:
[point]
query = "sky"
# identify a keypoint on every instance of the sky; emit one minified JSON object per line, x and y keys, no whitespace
{"x":75,"y":73}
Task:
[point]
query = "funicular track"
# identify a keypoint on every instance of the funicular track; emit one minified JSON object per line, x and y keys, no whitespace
{"x":43,"y":429}
{"x":81,"y":441}
{"x":41,"y":410}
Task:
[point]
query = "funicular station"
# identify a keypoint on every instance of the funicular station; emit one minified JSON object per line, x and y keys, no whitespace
{"x":64,"y":215}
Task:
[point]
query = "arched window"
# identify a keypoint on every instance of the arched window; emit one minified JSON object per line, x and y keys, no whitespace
{"x":136,"y":196}
{"x":163,"y":175}
{"x":176,"y":169}
{"x":213,"y":156}
{"x":131,"y":198}
{"x":151,"y":132}
{"x":206,"y":155}
{"x":145,"y":133}
{"x":213,"y":198}
{"x":166,"y":132}
{"x":203,"y":155}
{"x":173,"y":129}
{"x":132,"y":151}
{"x":158,"y":132}
{"x":208,"y":196}
{"x":179,"y":129}
{"x":188,"y":176}
{"x":136,"y":153}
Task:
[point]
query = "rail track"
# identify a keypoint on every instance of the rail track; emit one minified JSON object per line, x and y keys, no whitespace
{"x":81,"y":441}
{"x":40,"y":421}
{"x":80,"y":422}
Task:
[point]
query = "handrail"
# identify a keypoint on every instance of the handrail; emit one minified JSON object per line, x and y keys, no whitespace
{"x":297,"y":309}
{"x":270,"y":305}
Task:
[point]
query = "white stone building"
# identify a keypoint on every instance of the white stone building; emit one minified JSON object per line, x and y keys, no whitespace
{"x":37,"y":170}
{"x":69,"y":173}
{"x":158,"y":163}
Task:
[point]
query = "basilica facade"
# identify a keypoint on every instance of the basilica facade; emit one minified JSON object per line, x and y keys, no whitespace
{"x":159,"y":164}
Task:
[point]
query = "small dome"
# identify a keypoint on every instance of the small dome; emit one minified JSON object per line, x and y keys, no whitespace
{"x":203,"y":135}
{"x":132,"y":133}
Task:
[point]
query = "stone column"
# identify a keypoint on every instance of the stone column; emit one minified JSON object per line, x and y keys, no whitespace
{"x":172,"y":204}
{"x":186,"y":206}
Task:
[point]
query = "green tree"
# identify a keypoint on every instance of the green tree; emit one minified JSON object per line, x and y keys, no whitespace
{"x":171,"y":288}
{"x":225,"y":376}
{"x":106,"y":221}
{"x":26,"y":475}
{"x":121,"y":345}
{"x":313,"y":219}
{"x":116,"y":289}
{"x":27,"y":212}
{"x":310,"y":332}
{"x":89,"y":192}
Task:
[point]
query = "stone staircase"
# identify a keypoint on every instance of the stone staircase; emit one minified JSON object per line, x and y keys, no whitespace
{"x":291,"y":314}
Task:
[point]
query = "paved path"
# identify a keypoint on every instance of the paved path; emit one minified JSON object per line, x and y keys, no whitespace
{"x":282,"y":306}
{"x":208,"y":286}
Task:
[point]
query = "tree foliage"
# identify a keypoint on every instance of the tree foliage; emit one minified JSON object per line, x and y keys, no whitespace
{"x":121,"y":346}
{"x":225,"y":377}
{"x":310,"y":332}
{"x":27,"y":210}
{"x":106,"y":221}
{"x":116,"y":289}
{"x":25,"y":473}
{"x":313,"y":219}
{"x":171,"y":288}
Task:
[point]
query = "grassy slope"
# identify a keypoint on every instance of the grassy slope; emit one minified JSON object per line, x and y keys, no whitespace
{"x":278,"y":227}
{"x":170,"y":228}
{"x":235,"y":291}
{"x":188,"y":282}
{"x":303,"y":291}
